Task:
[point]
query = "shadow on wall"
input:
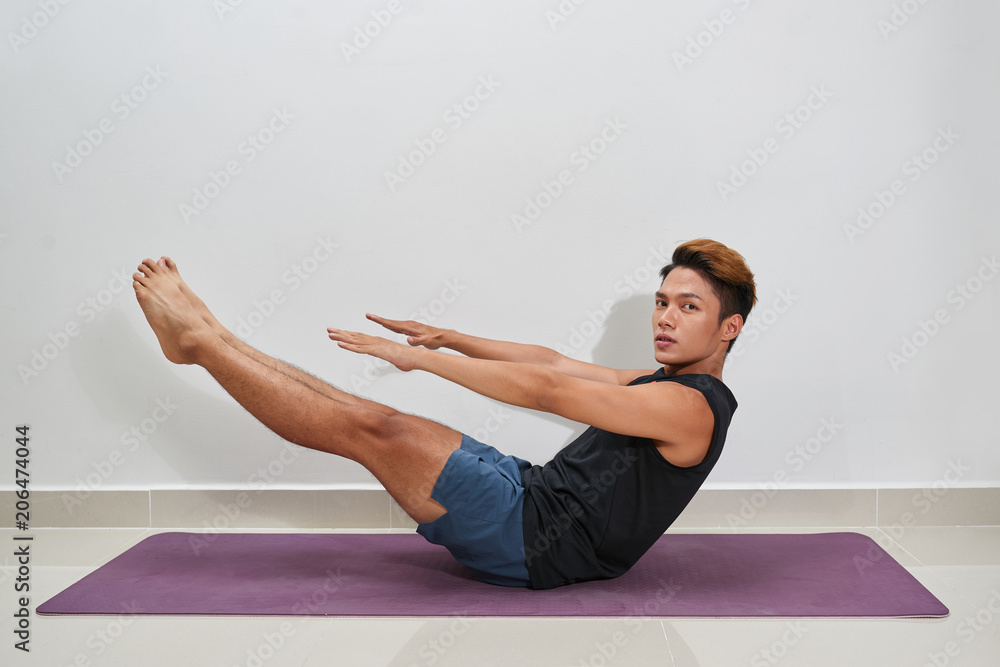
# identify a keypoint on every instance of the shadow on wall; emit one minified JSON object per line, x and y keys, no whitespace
{"x":627,"y":341}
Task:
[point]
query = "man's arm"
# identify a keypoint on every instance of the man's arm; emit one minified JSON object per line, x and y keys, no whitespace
{"x":432,"y":338}
{"x":676,"y":417}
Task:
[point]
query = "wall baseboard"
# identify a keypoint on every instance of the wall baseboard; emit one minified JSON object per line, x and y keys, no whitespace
{"x":206,"y":509}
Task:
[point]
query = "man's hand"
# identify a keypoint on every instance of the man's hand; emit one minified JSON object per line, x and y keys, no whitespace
{"x":417,"y":334}
{"x":397,"y":354}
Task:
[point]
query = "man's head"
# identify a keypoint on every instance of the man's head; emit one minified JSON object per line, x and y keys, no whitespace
{"x":705,"y":296}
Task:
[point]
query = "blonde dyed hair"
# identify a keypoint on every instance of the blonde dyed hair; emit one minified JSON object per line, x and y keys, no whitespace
{"x":724,"y":269}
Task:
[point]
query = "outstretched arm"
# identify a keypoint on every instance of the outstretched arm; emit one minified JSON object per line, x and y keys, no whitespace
{"x":432,"y":338}
{"x":669,"y":413}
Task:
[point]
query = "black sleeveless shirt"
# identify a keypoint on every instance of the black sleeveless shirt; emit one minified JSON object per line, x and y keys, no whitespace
{"x":603,"y":500}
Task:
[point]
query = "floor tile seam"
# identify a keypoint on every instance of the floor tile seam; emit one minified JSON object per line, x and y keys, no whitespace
{"x":670,"y":651}
{"x":319,"y":639}
{"x":932,"y":571}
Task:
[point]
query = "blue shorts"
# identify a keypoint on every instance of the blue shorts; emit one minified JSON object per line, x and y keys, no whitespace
{"x":481,"y":489}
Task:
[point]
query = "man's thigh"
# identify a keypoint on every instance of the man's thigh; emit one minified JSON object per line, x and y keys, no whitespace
{"x":407,"y":454}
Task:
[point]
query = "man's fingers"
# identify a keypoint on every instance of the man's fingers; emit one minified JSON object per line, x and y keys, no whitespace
{"x":343,"y":337}
{"x":346,"y":342}
{"x":392,"y":325}
{"x":396,"y":326}
{"x":384,"y":321}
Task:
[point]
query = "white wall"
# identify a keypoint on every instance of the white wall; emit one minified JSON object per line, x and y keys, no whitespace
{"x":886,"y":81}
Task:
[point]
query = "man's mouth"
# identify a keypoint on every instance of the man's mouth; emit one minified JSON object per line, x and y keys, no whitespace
{"x":663,"y":341}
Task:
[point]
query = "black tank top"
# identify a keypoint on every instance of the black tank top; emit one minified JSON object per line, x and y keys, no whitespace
{"x":603,"y":500}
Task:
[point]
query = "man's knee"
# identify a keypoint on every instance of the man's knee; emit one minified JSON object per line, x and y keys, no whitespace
{"x":386,"y":427}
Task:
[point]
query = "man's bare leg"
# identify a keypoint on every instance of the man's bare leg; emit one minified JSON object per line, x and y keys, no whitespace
{"x":404,"y":455}
{"x":296,"y":374}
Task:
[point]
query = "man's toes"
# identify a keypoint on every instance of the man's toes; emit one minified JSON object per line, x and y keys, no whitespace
{"x":148,"y":267}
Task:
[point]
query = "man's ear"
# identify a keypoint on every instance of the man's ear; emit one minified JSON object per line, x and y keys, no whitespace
{"x":732,"y":326}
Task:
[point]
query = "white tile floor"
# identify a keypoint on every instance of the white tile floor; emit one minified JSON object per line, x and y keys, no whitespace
{"x":961,"y":566}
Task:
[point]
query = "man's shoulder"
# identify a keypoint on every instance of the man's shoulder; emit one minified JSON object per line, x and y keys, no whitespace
{"x":628,"y":377}
{"x":711,"y":387}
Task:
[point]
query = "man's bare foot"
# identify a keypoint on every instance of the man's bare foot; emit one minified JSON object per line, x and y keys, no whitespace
{"x":178,"y":326}
{"x":170,"y":268}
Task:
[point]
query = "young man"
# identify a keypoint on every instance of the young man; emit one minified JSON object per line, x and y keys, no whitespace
{"x":592,"y":511}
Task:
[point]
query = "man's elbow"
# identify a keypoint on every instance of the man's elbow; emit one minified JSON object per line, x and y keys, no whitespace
{"x":552,"y":360}
{"x":550,"y":391}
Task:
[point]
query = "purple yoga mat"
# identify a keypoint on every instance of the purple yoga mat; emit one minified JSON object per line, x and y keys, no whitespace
{"x":683,"y":575}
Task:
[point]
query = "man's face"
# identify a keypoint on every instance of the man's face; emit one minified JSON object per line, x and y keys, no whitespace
{"x":686,"y":326}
